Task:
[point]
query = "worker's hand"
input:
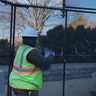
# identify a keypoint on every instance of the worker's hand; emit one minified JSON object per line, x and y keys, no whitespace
{"x":52,"y":52}
{"x":47,"y":52}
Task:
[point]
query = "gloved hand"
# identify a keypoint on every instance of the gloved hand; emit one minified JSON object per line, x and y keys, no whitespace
{"x":47,"y":52}
{"x":52,"y":52}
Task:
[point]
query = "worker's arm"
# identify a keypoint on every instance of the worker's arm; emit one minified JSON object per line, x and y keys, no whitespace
{"x":36,"y":58}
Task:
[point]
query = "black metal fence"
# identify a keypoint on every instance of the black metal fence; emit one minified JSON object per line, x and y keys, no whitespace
{"x":65,"y":9}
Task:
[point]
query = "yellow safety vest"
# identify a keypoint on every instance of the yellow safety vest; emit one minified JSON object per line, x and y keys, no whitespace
{"x":25,"y":75}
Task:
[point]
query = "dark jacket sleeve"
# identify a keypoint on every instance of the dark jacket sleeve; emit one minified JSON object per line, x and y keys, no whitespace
{"x":36,"y":58}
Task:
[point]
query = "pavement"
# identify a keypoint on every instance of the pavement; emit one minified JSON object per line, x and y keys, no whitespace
{"x":74,"y":87}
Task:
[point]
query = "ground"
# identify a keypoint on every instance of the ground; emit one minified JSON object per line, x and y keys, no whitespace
{"x":75,"y":87}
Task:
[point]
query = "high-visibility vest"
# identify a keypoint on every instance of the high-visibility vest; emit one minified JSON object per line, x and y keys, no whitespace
{"x":25,"y":75}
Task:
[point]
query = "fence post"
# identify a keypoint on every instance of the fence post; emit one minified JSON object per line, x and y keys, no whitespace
{"x":2,"y":83}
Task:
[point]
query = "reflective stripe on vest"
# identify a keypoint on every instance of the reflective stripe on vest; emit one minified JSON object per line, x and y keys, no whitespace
{"x":25,"y":70}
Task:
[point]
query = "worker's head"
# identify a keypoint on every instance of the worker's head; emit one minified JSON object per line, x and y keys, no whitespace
{"x":29,"y":36}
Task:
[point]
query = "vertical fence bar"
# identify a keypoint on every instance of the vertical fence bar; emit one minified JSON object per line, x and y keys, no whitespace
{"x":14,"y":24}
{"x":63,"y":13}
{"x":64,"y":65}
{"x":12,"y":37}
{"x":10,"y":60}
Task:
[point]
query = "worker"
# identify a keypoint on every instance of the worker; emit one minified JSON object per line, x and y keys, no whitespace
{"x":26,"y":76}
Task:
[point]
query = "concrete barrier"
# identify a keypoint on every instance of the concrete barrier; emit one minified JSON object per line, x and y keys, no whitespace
{"x":73,"y":71}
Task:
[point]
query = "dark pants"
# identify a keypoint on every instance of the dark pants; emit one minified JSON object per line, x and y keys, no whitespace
{"x":18,"y":92}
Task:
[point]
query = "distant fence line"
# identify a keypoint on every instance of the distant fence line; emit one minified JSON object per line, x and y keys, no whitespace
{"x":73,"y":71}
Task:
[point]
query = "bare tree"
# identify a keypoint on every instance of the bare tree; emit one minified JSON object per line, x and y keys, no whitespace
{"x":34,"y":17}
